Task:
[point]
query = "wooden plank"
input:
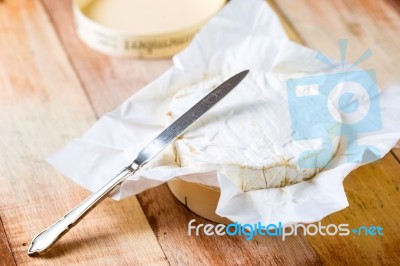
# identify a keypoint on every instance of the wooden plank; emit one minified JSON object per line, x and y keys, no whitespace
{"x":373,"y":190}
{"x":42,"y":107}
{"x":396,"y":153}
{"x":107,"y":80}
{"x":365,"y":23}
{"x":6,"y":257}
{"x":166,"y":215}
{"x":169,"y":220}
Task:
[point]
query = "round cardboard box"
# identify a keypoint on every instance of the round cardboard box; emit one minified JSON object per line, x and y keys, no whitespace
{"x":138,"y":28}
{"x":200,"y":199}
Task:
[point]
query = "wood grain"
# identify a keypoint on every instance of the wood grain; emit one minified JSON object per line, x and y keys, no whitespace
{"x":367,"y":24}
{"x":42,"y":106}
{"x":6,"y":257}
{"x":169,"y":220}
{"x":372,"y":190}
{"x":107,"y":80}
{"x":396,"y":153}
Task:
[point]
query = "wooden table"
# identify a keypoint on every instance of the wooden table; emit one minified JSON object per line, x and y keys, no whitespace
{"x":53,"y":88}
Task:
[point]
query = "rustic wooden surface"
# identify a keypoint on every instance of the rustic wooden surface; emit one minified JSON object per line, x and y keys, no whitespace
{"x":43,"y":105}
{"x":373,"y":191}
{"x":52,"y":88}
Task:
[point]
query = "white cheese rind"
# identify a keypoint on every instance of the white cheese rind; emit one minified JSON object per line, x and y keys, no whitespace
{"x":247,"y":136}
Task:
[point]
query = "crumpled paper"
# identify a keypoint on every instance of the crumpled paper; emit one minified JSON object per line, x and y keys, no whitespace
{"x":246,"y":34}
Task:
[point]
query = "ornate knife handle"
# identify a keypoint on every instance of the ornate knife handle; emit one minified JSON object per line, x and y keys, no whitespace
{"x":47,"y":238}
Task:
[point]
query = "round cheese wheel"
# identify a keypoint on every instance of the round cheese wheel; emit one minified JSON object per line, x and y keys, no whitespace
{"x":248,"y":135}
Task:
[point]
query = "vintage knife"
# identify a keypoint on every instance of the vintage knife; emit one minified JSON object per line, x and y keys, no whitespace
{"x":43,"y":241}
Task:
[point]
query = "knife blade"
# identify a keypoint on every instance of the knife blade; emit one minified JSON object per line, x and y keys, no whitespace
{"x":47,"y":238}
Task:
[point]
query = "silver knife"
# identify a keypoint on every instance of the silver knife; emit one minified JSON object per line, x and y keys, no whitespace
{"x":44,"y":240}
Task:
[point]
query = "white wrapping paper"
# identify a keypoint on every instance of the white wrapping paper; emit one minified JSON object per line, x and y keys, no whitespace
{"x":246,"y":34}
